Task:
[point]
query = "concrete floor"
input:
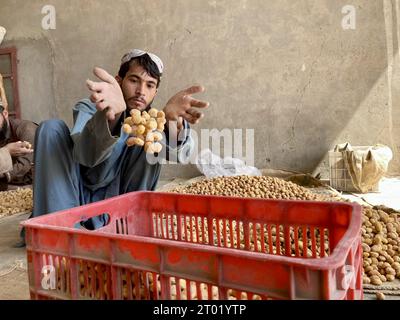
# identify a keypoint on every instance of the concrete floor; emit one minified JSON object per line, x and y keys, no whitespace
{"x":388,"y":195}
{"x":13,"y":275}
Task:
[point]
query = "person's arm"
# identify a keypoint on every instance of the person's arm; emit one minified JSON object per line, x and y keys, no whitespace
{"x":3,"y":93}
{"x":21,"y":172}
{"x":107,"y":96}
{"x":96,"y":119}
{"x":5,"y":162}
{"x":20,"y":154}
{"x":91,"y":134}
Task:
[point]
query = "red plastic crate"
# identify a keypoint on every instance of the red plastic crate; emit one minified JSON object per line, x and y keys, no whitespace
{"x":173,"y":246}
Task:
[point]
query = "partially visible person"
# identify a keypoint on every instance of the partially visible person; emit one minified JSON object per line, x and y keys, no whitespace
{"x":16,"y":147}
{"x":3,"y":97}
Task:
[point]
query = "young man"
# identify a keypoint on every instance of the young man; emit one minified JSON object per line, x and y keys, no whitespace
{"x":92,"y":161}
{"x":16,"y":141}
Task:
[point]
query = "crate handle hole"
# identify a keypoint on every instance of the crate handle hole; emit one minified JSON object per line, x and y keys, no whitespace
{"x":94,"y":223}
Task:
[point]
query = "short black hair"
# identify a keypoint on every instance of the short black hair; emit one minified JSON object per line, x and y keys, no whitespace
{"x":147,"y":64}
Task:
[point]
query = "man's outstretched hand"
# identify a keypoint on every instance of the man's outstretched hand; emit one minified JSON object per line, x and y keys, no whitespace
{"x":183,"y":105}
{"x":107,"y":94}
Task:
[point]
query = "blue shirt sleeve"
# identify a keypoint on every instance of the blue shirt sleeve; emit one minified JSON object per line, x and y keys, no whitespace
{"x":93,"y":142}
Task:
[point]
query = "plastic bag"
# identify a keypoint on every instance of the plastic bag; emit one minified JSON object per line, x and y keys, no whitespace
{"x":213,"y":166}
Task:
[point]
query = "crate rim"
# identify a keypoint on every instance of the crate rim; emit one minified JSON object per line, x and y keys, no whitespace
{"x":330,"y":262}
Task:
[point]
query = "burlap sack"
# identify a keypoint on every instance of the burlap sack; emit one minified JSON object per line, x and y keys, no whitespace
{"x":366,"y":165}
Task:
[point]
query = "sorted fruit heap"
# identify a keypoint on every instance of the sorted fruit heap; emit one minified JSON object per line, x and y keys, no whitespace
{"x":15,"y":201}
{"x":249,"y":186}
{"x":301,"y":241}
{"x":145,"y":129}
{"x":381,"y":246}
{"x":267,"y":188}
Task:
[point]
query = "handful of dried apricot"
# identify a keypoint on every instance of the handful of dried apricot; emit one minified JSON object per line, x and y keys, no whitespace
{"x":145,"y":129}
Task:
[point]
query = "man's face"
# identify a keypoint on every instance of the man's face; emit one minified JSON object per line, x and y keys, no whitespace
{"x":139,"y":88}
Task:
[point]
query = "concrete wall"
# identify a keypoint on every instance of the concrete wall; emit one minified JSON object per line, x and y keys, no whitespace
{"x":284,"y":68}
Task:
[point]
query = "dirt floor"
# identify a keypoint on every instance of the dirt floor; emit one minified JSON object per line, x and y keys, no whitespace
{"x":14,"y":283}
{"x":13,"y":269}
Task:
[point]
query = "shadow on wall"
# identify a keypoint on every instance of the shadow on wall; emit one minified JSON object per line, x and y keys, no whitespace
{"x":376,"y":120}
{"x":321,"y":87}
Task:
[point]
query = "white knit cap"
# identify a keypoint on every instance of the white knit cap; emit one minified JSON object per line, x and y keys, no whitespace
{"x":138,"y":53}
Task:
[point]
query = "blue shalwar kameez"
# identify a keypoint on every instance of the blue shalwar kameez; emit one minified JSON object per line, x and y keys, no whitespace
{"x":89,"y":164}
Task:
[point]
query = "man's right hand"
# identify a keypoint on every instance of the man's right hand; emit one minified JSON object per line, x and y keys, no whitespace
{"x":20,"y":148}
{"x":107,"y":95}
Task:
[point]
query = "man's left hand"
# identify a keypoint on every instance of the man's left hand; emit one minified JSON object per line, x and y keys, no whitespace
{"x":183,"y":105}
